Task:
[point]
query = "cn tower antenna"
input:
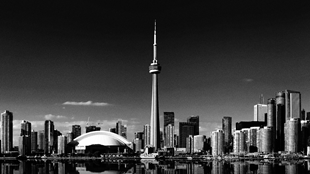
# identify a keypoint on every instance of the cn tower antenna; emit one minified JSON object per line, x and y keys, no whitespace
{"x":155,"y":44}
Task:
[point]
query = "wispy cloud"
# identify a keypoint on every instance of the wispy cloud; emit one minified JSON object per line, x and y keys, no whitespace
{"x":248,"y":80}
{"x":88,"y":103}
{"x":51,"y":117}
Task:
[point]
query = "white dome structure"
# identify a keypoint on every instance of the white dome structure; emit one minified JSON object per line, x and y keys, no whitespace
{"x":104,"y":138}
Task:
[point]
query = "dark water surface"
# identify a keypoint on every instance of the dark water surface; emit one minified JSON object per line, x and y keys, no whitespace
{"x":154,"y":167}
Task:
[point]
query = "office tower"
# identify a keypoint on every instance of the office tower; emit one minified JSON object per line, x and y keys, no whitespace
{"x":147,"y":134}
{"x":247,"y":124}
{"x":55,"y":145}
{"x":6,"y":131}
{"x":69,"y":137}
{"x":169,"y":126}
{"x":154,"y":69}
{"x":76,"y":131}
{"x":138,"y":144}
{"x":308,"y":116}
{"x":254,"y":139}
{"x":305,"y":133}
{"x":292,"y":104}
{"x":303,"y":114}
{"x":185,"y":129}
{"x":190,"y":144}
{"x":292,"y":132}
{"x":246,"y":132}
{"x":62,"y":142}
{"x":259,"y":112}
{"x":22,"y":144}
{"x":199,"y":143}
{"x":195,"y":121}
{"x":226,"y":127}
{"x":271,"y":120}
{"x":217,"y":142}
{"x":239,"y":142}
{"x":92,"y":128}
{"x":169,"y":138}
{"x":280,"y":120}
{"x":112,"y":130}
{"x":41,"y":140}
{"x":26,"y":131}
{"x":266,"y":139}
{"x":34,"y":141}
{"x":48,"y":136}
{"x":121,"y":129}
{"x":176,"y":140}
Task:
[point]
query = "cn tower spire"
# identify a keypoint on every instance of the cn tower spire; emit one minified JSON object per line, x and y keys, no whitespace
{"x":154,"y":69}
{"x":155,"y":45}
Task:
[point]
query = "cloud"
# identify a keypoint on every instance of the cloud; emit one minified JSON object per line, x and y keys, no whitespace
{"x":51,"y":117}
{"x":88,"y":103}
{"x":248,"y":80}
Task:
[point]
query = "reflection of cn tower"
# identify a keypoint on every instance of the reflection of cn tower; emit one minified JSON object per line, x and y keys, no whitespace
{"x":154,"y":69}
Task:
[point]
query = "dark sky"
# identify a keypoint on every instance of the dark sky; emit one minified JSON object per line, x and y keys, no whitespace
{"x":217,"y":58}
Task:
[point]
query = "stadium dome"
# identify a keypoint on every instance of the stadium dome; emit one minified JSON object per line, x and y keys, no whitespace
{"x":104,"y":138}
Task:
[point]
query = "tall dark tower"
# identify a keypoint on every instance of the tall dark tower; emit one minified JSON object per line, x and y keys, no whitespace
{"x":154,"y":69}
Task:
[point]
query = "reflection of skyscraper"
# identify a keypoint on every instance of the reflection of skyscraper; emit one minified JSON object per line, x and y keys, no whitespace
{"x":195,"y":121}
{"x":76,"y":131}
{"x":48,"y":136}
{"x":169,"y":129}
{"x":154,"y":69}
{"x":6,"y":131}
{"x":259,"y":112}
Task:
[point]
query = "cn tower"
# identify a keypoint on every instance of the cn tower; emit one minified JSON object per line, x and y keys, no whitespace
{"x":154,"y":69}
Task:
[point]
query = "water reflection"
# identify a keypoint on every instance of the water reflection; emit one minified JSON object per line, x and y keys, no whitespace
{"x":154,"y":167}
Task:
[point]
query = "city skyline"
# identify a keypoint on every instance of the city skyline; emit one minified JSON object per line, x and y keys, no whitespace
{"x":67,"y":64}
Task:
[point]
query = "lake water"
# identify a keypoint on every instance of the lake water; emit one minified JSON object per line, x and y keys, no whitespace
{"x":154,"y":167}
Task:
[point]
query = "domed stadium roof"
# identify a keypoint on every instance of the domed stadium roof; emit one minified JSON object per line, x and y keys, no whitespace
{"x":104,"y":138}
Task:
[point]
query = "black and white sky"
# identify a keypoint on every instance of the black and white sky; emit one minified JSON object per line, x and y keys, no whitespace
{"x":73,"y":60}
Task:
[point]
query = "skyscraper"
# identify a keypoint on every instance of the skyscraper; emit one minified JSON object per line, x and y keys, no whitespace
{"x":217,"y":140}
{"x":62,"y":142}
{"x":195,"y":121}
{"x":280,"y":120}
{"x":6,"y":131}
{"x":76,"y":131}
{"x":41,"y":144}
{"x":169,"y":129}
{"x":48,"y":136}
{"x":26,"y":132}
{"x":271,"y":121}
{"x":259,"y":112}
{"x":292,"y":104}
{"x":185,"y":129}
{"x":34,"y":141}
{"x":121,"y":129}
{"x":154,"y":69}
{"x":226,"y":127}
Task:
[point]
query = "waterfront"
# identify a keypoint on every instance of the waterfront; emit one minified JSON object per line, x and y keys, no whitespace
{"x":154,"y":167}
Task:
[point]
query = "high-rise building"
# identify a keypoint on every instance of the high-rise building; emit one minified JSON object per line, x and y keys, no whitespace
{"x":271,"y":121}
{"x":147,"y":134}
{"x":22,"y":144}
{"x":292,"y":130}
{"x":62,"y":142}
{"x":76,"y":131}
{"x":226,"y":127}
{"x":48,"y":136}
{"x":292,"y":104}
{"x":6,"y":131}
{"x":121,"y":129}
{"x":55,"y":145}
{"x":266,"y":139}
{"x":254,"y":139}
{"x":169,"y":129}
{"x":190,"y":144}
{"x":34,"y":141}
{"x":185,"y":129}
{"x":169,"y":137}
{"x":69,"y":137}
{"x":217,"y":142}
{"x":26,"y":131}
{"x":280,"y":120}
{"x":199,"y":143}
{"x":154,"y":69}
{"x":112,"y":130}
{"x":92,"y":128}
{"x":260,"y":110}
{"x":41,"y":140}
{"x":195,"y":121}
